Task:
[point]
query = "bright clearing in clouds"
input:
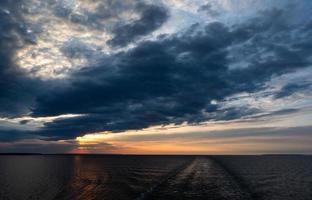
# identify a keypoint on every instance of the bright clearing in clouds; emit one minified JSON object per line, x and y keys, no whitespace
{"x":156,"y":77}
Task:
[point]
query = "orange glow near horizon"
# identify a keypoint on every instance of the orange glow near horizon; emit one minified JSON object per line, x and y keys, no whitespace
{"x":182,"y":139}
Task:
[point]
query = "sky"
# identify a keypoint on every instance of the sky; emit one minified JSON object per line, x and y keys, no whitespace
{"x":156,"y":77}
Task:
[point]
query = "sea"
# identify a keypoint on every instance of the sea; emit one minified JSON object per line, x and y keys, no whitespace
{"x":155,"y":177}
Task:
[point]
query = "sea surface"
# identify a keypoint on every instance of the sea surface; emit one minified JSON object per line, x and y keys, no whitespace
{"x":121,"y":177}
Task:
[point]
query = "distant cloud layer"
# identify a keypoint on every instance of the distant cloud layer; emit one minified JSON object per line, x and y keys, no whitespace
{"x":116,"y":67}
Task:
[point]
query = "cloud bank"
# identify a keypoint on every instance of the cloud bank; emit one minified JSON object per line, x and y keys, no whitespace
{"x":140,"y":75}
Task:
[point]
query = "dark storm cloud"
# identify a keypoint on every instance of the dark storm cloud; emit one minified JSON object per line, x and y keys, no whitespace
{"x":154,"y":84}
{"x":15,"y":87}
{"x":172,"y":79}
{"x":152,"y":17}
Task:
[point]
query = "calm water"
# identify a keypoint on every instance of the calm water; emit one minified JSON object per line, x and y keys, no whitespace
{"x":155,"y":177}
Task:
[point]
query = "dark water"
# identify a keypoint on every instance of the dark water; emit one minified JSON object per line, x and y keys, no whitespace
{"x":48,"y":177}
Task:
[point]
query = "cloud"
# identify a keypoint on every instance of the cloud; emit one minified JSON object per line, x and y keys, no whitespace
{"x":152,"y":17}
{"x":226,"y":141}
{"x":290,"y":89}
{"x":38,"y":146}
{"x":75,"y":49}
{"x":170,"y":79}
{"x":15,"y":88}
{"x":14,"y":135}
{"x":175,"y":78}
{"x":223,"y":135}
{"x":209,"y":10}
